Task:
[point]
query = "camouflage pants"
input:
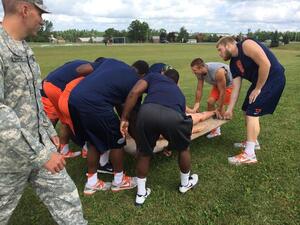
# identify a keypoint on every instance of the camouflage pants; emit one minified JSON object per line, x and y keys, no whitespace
{"x":58,"y":192}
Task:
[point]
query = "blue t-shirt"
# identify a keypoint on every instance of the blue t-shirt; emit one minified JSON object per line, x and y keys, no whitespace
{"x":156,"y":67}
{"x":105,"y":88}
{"x":67,"y":72}
{"x":246,"y":68}
{"x":164,"y":91}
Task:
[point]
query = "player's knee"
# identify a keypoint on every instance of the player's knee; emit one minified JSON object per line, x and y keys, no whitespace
{"x":211,"y":101}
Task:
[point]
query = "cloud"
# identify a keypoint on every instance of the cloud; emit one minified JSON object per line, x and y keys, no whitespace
{"x":228,"y":16}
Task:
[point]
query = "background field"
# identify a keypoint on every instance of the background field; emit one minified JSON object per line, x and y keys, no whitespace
{"x":266,"y":193}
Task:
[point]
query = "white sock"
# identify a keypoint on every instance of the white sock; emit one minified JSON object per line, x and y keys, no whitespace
{"x":64,"y":149}
{"x":118,"y":177}
{"x":141,"y":186}
{"x":256,"y":142}
{"x":85,"y":146}
{"x":92,"y":179}
{"x":104,"y":158}
{"x":184,"y":177}
{"x":250,"y":148}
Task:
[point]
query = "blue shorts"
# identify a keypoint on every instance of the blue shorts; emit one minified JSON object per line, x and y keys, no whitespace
{"x":100,"y":129}
{"x":268,"y":98}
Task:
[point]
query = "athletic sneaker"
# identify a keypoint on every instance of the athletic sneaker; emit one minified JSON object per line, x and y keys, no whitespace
{"x":107,"y":168}
{"x":84,"y":152}
{"x":71,"y":154}
{"x":193,"y":180}
{"x":140,"y":199}
{"x":242,"y":158}
{"x":214,"y":133}
{"x":243,"y":145}
{"x":99,"y":186}
{"x":127,"y":183}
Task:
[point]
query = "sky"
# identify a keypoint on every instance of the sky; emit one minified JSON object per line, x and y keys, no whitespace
{"x":217,"y":16}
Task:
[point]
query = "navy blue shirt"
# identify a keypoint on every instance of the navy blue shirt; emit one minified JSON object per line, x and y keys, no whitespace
{"x":67,"y":72}
{"x":105,"y":88}
{"x":164,"y":91}
{"x":246,"y":68}
{"x":156,"y":67}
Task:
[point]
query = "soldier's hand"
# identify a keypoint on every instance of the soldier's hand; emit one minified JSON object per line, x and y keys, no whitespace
{"x":56,"y":163}
{"x":55,"y":141}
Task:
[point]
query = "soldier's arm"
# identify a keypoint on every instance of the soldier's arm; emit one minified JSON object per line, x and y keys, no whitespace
{"x":16,"y":138}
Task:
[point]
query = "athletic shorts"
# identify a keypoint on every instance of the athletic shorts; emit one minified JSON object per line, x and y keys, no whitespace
{"x":49,"y":109}
{"x":154,"y":120}
{"x":63,"y":103}
{"x":215,"y":94}
{"x":268,"y":98}
{"x":100,"y":129}
{"x":53,"y":93}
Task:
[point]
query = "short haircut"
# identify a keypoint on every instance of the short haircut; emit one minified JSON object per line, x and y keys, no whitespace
{"x":197,"y":62}
{"x":9,"y":6}
{"x":141,"y":66}
{"x":173,"y":74}
{"x":99,"y":59}
{"x":225,"y":41}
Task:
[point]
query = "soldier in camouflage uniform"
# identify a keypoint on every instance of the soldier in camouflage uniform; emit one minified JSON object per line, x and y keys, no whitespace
{"x":27,"y":150}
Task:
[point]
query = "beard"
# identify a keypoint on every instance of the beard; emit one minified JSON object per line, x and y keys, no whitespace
{"x":227,"y":55}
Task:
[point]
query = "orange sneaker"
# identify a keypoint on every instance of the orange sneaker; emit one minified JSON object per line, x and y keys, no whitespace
{"x":99,"y":186}
{"x":71,"y":154}
{"x":242,"y":158}
{"x":127,"y":183}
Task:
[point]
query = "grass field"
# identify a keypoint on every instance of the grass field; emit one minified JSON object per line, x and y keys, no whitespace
{"x":267,"y":193}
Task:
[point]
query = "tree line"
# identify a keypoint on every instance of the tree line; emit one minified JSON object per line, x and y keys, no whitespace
{"x":140,"y":32}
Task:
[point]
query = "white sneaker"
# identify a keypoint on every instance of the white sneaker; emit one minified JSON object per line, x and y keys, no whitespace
{"x":243,"y":145}
{"x":214,"y":133}
{"x":193,"y":180}
{"x":242,"y":158}
{"x":140,"y":199}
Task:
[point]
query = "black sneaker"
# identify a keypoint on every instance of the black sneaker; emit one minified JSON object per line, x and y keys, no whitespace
{"x":107,"y":168}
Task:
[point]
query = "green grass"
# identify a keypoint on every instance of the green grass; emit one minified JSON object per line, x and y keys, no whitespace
{"x":266,"y":193}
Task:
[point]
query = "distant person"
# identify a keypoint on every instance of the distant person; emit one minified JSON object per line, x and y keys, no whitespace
{"x":254,"y":62}
{"x":162,"y":113}
{"x":218,"y":75}
{"x":28,"y":140}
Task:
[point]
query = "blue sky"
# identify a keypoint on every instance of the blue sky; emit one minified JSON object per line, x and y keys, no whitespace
{"x":222,"y":16}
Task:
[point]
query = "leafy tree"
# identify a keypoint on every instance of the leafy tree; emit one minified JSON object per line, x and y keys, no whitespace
{"x":183,"y":35}
{"x":275,"y":40}
{"x":171,"y":37}
{"x":163,"y":35}
{"x":138,"y":31}
{"x":286,"y":38}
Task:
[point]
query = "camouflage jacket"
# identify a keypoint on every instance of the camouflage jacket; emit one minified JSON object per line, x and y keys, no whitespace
{"x":25,"y":130}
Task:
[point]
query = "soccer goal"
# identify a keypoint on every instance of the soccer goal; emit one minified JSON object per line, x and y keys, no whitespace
{"x":119,"y":40}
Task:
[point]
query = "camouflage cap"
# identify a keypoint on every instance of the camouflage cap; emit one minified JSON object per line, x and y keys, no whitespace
{"x":39,"y":4}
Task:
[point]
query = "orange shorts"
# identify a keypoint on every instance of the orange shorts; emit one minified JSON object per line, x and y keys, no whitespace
{"x":215,"y":94}
{"x":49,"y":109}
{"x":63,"y":103}
{"x":53,"y":93}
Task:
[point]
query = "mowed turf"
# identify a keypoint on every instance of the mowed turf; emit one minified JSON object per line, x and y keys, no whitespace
{"x":266,"y":193}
